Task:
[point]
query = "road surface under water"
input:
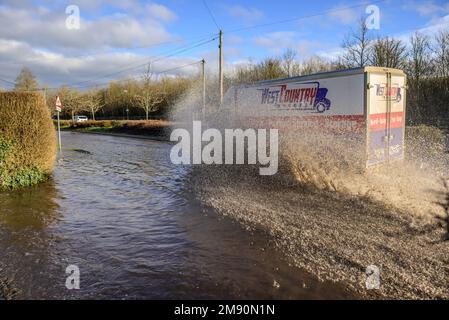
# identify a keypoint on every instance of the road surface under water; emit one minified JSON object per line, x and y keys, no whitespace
{"x":120,"y":211}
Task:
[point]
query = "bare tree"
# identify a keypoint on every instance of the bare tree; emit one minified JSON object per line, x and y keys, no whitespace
{"x":419,"y":65}
{"x":442,"y":53}
{"x":92,"y":102}
{"x":388,"y":52}
{"x":269,"y":68}
{"x":151,"y":95}
{"x":315,"y":64}
{"x":72,"y":100}
{"x":338,"y":64}
{"x":26,"y":81}
{"x":357,"y":46}
{"x":296,"y":69}
{"x":289,"y":62}
{"x":442,"y":65}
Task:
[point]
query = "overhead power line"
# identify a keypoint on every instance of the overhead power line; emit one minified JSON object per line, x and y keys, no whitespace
{"x":211,"y":14}
{"x":117,"y":50}
{"x":156,"y":72}
{"x":186,"y":48}
{"x":181,"y":50}
{"x":238,"y":29}
{"x":169,"y":54}
{"x":7,"y":81}
{"x":141,"y":60}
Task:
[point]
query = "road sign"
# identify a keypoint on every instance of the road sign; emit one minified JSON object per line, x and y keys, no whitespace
{"x":58,"y":104}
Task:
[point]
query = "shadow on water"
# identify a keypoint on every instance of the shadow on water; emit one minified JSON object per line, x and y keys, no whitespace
{"x":25,"y":216}
{"x":230,"y":261}
{"x":32,"y":207}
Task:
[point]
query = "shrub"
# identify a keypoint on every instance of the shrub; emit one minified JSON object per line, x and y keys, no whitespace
{"x":137,"y":127}
{"x":27,"y":140}
{"x":144,"y":127}
{"x":62,"y":123}
{"x":116,"y":123}
{"x":86,"y":124}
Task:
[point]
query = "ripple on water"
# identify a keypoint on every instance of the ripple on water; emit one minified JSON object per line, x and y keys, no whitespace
{"x":122,"y":213}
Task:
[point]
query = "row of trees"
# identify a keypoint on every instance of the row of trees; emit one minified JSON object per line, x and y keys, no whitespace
{"x":138,"y":98}
{"x":287,"y":65}
{"x":423,"y":57}
{"x":135,"y":98}
{"x":425,"y":60}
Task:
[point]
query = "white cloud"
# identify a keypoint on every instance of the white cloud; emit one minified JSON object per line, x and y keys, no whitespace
{"x":232,"y":52}
{"x":55,"y":69}
{"x":274,"y":40}
{"x":346,"y":16}
{"x":430,"y":8}
{"x":434,"y":26}
{"x":161,"y":12}
{"x":277,"y":42}
{"x":233,"y":39}
{"x":245,"y":15}
{"x":36,"y":37}
{"x":46,"y":29}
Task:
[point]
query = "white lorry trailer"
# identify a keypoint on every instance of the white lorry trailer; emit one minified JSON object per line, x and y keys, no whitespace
{"x":368,"y":102}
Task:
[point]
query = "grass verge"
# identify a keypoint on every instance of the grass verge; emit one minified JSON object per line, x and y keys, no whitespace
{"x":154,"y":128}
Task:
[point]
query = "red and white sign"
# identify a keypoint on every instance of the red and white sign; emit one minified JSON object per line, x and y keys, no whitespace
{"x":58,"y":104}
{"x":378,"y":121}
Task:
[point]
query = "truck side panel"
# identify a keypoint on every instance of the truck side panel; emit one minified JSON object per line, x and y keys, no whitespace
{"x":335,"y":103}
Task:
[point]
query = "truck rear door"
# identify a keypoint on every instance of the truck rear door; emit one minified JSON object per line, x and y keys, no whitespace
{"x":385,"y":117}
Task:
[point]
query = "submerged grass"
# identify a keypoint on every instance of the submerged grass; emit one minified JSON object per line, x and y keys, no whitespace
{"x":24,"y":178}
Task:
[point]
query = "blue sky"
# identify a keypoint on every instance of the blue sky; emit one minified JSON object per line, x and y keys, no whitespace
{"x":119,"y":35}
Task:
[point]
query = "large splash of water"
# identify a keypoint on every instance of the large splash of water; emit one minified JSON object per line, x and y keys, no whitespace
{"x":313,"y":158}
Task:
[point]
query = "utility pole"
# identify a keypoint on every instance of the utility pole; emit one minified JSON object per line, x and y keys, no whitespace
{"x":220,"y":70}
{"x":203,"y":111}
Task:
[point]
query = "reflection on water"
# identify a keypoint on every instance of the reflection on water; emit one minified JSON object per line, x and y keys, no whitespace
{"x":125,"y":215}
{"x":29,"y":208}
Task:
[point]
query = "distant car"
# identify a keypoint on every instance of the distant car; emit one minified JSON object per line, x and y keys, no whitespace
{"x":80,"y":118}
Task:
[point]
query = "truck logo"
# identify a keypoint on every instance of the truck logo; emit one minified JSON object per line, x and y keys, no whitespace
{"x":394,"y":92}
{"x":296,"y":96}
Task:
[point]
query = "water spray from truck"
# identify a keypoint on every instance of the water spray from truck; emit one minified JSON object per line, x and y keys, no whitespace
{"x":342,"y":131}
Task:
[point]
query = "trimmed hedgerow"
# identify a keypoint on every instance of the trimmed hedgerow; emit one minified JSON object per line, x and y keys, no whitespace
{"x":135,"y":127}
{"x":27,"y":140}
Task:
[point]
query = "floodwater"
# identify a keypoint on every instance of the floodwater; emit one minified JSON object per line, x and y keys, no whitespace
{"x":120,"y":211}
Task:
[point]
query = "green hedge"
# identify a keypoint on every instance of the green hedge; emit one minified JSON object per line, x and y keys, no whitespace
{"x":27,"y":140}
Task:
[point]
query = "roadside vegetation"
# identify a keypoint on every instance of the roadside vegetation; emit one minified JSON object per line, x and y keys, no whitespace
{"x":129,"y":99}
{"x":132,"y":105}
{"x":27,"y":140}
{"x":425,"y":59}
{"x":153,"y":128}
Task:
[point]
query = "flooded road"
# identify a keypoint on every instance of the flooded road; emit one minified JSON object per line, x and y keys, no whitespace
{"x":120,"y":211}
